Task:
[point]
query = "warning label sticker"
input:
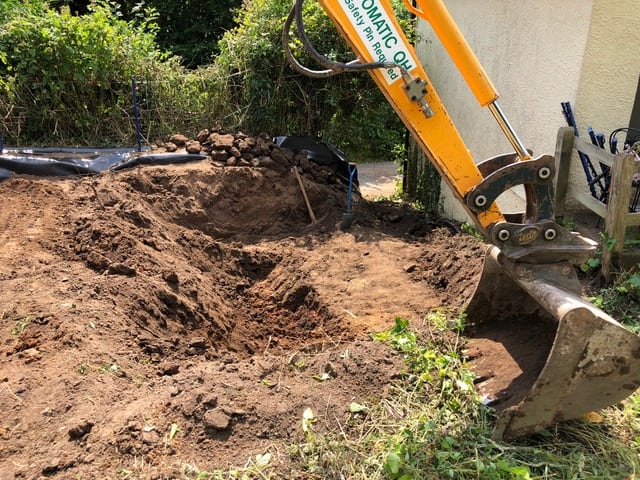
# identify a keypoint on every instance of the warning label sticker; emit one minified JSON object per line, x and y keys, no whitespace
{"x":379,"y":34}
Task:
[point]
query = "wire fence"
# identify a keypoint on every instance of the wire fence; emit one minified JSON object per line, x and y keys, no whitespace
{"x":139,"y":111}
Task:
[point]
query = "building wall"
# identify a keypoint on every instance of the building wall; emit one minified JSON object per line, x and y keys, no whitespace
{"x":610,"y":68}
{"x":538,"y":54}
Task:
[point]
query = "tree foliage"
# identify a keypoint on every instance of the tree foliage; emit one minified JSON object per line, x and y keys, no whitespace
{"x":65,"y":74}
{"x":348,"y":109}
{"x":189,"y":29}
{"x":66,"y":79}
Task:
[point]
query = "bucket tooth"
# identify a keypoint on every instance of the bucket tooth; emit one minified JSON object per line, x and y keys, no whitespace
{"x":547,"y":354}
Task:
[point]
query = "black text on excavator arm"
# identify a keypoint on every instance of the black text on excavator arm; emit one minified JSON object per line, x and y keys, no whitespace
{"x":528,"y":281}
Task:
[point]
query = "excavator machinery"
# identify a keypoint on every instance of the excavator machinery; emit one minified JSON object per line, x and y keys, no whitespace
{"x":561,"y":357}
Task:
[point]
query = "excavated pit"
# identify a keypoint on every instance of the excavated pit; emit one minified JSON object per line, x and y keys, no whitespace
{"x":185,"y":243}
{"x":199,"y":295}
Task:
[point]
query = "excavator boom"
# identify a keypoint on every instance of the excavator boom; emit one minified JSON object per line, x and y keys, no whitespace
{"x":587,"y":360}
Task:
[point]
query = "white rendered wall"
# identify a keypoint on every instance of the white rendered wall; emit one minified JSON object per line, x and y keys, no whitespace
{"x":610,"y":71}
{"x":533,"y":51}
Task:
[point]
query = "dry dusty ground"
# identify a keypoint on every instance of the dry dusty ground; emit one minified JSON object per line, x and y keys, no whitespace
{"x":198,"y":297}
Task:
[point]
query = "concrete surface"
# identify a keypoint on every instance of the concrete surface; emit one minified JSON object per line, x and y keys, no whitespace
{"x":379,"y":179}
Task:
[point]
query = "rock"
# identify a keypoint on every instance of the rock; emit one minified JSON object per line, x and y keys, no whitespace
{"x":220,"y":141}
{"x":263,"y":146}
{"x":216,"y":420}
{"x":210,"y":402}
{"x":97,"y":261}
{"x":171,"y":277}
{"x":235,"y":152}
{"x":199,"y":343}
{"x":170,"y":147}
{"x":220,"y":156}
{"x":242,"y":146}
{"x":203,"y":135}
{"x":30,"y":355}
{"x":193,"y":147}
{"x":410,"y":268}
{"x":305,"y":164}
{"x":179,"y":140}
{"x":282,"y":156}
{"x":121,"y":269}
{"x":171,"y":369}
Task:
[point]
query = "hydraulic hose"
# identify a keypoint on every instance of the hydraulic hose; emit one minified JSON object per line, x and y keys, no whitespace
{"x":332,"y":67}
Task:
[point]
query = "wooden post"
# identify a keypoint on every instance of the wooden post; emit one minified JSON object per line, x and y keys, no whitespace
{"x":617,"y":210}
{"x":564,"y":150}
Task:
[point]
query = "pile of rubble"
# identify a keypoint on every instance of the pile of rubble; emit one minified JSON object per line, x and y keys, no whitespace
{"x":242,"y":150}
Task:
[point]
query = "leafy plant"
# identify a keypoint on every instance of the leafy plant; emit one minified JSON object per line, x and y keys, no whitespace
{"x":472,"y":230}
{"x":66,"y":76}
{"x":568,"y":223}
{"x":66,"y":79}
{"x":21,"y":325}
{"x":622,"y":300}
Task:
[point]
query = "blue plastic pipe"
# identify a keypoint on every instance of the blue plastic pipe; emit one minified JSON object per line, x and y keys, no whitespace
{"x":136,"y":113}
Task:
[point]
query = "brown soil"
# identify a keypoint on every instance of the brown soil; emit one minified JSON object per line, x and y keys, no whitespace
{"x":199,"y":295}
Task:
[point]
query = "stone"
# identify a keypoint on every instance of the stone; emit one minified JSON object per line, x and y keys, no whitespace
{"x":216,"y":420}
{"x":193,"y":147}
{"x":179,"y":140}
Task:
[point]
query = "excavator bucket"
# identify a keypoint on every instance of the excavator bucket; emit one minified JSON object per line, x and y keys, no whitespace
{"x":542,"y":354}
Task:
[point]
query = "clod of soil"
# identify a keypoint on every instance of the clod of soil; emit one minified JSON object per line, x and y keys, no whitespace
{"x":185,"y":313}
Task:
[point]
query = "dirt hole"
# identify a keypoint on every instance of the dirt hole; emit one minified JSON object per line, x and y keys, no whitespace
{"x":199,"y":296}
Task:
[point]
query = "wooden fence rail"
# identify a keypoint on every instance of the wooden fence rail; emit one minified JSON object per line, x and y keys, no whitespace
{"x":615,"y":212}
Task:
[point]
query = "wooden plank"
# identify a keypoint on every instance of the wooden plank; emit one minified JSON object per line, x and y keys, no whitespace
{"x":617,"y":210}
{"x":564,"y":149}
{"x":595,"y":153}
{"x":587,"y":200}
{"x":633,"y":219}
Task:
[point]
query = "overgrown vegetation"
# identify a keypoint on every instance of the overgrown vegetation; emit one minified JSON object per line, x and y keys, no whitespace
{"x":66,"y":80}
{"x":347,"y":110}
{"x":190,"y":30}
{"x":434,"y":426}
{"x":622,"y":300}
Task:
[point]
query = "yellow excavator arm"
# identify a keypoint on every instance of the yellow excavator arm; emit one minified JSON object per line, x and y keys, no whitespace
{"x":372,"y":30}
{"x":528,"y":283}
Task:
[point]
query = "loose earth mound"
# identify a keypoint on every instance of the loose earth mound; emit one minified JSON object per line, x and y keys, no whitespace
{"x":181,"y":316}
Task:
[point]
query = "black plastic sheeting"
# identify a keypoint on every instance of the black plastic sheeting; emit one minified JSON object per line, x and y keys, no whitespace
{"x":320,"y":152}
{"x":55,"y":162}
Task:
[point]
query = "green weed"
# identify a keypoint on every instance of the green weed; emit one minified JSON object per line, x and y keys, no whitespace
{"x":21,"y":325}
{"x":472,"y":230}
{"x":622,"y":300}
